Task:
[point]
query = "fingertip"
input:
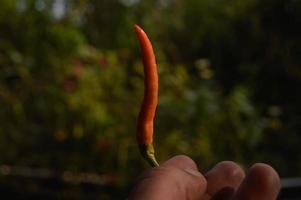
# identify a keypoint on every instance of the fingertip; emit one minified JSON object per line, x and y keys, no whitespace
{"x":196,"y":174}
{"x":196,"y":184}
{"x":181,"y":162}
{"x":264,"y":175}
{"x":231,"y":171}
{"x":224,"y":179}
{"x":262,"y":182}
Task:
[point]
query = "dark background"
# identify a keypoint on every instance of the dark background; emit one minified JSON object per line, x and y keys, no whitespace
{"x":71,"y":83}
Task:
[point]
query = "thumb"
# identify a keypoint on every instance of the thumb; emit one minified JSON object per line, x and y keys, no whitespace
{"x":177,"y":178}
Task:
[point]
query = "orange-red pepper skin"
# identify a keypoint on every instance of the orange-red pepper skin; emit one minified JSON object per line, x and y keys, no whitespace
{"x":150,"y":99}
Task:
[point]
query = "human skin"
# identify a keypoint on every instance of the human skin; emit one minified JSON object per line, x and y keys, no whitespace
{"x":179,"y":179}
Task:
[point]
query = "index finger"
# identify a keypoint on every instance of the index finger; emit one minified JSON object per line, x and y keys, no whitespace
{"x":181,"y":162}
{"x":177,"y":178}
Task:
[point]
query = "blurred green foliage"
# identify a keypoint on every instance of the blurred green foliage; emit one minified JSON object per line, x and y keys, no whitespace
{"x":71,"y":83}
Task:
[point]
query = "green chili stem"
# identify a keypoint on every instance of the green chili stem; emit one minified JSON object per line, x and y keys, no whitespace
{"x":148,"y":152}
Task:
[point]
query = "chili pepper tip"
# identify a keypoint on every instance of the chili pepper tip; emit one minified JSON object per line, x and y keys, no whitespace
{"x":138,"y":28}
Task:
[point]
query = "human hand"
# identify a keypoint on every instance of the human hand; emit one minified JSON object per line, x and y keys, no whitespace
{"x":179,"y":179}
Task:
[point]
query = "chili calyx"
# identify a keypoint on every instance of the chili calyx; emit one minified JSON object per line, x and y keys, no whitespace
{"x":150,"y":99}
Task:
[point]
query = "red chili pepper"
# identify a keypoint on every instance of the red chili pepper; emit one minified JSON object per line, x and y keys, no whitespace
{"x":150,"y":99}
